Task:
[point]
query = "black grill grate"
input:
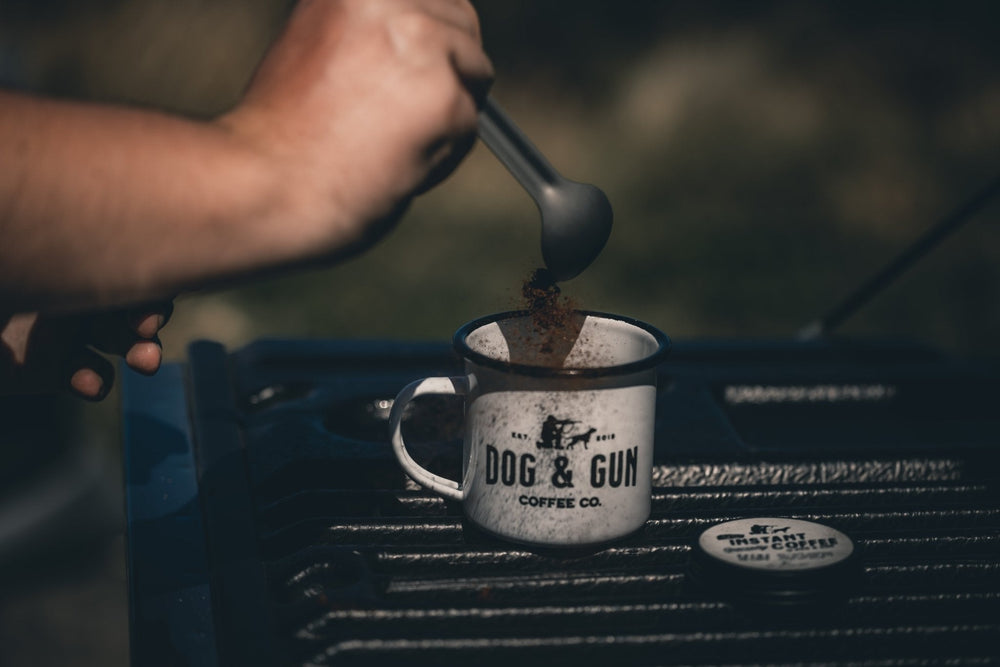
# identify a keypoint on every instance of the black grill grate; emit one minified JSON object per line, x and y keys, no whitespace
{"x":345,"y":562}
{"x":411,"y":586}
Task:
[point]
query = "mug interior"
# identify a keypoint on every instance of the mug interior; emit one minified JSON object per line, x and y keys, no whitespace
{"x":589,"y":343}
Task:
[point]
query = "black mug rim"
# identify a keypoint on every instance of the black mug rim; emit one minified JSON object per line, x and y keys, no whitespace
{"x":463,"y":349}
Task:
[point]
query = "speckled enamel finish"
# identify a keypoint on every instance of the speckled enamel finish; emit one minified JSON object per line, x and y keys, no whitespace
{"x":552,"y":457}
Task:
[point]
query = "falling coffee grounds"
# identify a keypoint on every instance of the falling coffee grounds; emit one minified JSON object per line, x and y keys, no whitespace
{"x":551,"y":312}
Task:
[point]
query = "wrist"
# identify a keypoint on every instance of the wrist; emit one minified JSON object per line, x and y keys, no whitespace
{"x":304,"y":202}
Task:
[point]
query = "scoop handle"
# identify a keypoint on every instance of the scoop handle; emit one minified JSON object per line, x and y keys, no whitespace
{"x":515,"y":151}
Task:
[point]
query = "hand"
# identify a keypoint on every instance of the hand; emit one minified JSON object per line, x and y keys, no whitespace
{"x":47,"y":354}
{"x":359,"y":106}
{"x":365,"y":103}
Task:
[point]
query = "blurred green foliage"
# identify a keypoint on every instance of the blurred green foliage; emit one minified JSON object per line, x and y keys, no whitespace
{"x":762,"y":158}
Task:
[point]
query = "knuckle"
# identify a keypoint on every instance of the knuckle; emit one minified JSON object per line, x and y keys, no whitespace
{"x":472,"y":17}
{"x":412,"y":29}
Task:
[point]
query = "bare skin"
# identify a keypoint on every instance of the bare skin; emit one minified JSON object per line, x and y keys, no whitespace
{"x":42,"y":354}
{"x":359,"y":106}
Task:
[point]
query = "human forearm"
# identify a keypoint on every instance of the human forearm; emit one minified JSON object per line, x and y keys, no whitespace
{"x":359,"y":105}
{"x":107,"y":205}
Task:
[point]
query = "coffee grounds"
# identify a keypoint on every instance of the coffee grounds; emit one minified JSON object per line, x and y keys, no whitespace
{"x":551,"y":312}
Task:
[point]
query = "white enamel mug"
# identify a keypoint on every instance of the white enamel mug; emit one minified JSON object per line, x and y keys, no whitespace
{"x":558,"y":430}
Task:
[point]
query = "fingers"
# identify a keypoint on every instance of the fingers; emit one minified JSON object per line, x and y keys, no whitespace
{"x":132,"y":334}
{"x":449,"y":157}
{"x":145,"y":356}
{"x":146,"y":321}
{"x":454,"y":26}
{"x":468,"y":58}
{"x":90,"y":376}
{"x":458,"y":13}
{"x":473,"y":66}
{"x":470,"y":62}
{"x":61,"y":353}
{"x":459,"y":35}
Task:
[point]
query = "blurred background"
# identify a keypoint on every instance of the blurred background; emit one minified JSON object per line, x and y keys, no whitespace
{"x":763,"y":159}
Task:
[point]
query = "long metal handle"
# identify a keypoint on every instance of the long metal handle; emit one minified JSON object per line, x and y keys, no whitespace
{"x":515,"y":151}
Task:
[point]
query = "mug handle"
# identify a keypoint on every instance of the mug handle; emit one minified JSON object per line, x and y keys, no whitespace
{"x":454,"y":386}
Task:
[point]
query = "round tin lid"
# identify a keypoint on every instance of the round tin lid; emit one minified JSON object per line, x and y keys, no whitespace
{"x":774,"y":560}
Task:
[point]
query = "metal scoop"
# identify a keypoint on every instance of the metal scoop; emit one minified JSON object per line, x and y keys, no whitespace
{"x":576,"y":217}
